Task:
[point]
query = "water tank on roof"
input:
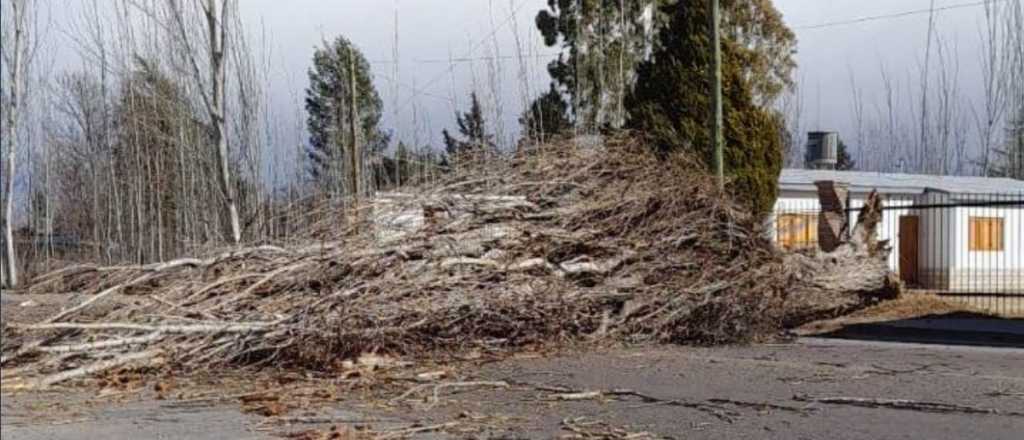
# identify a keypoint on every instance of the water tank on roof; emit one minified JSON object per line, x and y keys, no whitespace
{"x":823,"y":150}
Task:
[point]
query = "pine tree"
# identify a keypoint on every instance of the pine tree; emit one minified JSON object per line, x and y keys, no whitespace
{"x":473,"y":128}
{"x":603,"y":41}
{"x":672,"y":104}
{"x":328,"y":102}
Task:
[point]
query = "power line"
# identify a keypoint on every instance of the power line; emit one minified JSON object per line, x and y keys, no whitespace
{"x":470,"y":59}
{"x":407,"y":86}
{"x":896,"y":15}
{"x":472,"y":50}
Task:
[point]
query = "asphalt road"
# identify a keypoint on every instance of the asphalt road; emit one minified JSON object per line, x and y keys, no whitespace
{"x":692,"y":393}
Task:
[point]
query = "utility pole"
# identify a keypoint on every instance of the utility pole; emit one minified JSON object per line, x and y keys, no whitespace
{"x":354,"y":153}
{"x":716,"y":91}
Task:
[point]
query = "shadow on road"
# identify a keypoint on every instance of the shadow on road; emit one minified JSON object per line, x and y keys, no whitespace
{"x":960,"y":328}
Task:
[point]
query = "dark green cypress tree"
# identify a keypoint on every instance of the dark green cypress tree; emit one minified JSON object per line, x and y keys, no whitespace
{"x":671,"y":102}
{"x":328,"y":102}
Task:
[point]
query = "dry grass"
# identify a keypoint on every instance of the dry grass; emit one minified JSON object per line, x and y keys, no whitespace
{"x":909,"y":306}
{"x":915,"y":306}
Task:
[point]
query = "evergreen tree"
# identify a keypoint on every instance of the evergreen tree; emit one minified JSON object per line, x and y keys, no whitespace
{"x":547,"y":116}
{"x":672,"y":104}
{"x":328,"y":106}
{"x":603,"y":41}
{"x":473,"y":129}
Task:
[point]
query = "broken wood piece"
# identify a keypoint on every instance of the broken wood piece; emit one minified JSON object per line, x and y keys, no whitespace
{"x":93,"y":368}
{"x":403,"y":433}
{"x":586,"y":395}
{"x":236,"y":327}
{"x":449,"y":263}
{"x":101,"y":345}
{"x":435,"y":396}
{"x":532,"y":264}
{"x":431,"y":376}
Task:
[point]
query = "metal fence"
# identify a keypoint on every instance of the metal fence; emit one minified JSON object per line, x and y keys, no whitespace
{"x":968,"y":247}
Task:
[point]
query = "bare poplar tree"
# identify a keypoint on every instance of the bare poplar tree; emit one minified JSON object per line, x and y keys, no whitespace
{"x":992,"y":62}
{"x":14,"y":57}
{"x":217,"y":15}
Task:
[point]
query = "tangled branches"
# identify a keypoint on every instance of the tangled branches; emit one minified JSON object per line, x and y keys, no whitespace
{"x":554,"y":244}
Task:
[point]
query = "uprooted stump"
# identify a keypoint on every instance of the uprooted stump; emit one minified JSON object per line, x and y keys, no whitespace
{"x":855,"y":272}
{"x":554,"y":244}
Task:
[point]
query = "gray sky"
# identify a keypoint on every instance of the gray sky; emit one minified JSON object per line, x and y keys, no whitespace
{"x":829,"y":56}
{"x":430,"y":32}
{"x":437,"y":29}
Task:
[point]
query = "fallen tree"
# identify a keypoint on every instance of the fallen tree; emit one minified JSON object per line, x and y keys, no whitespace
{"x":554,"y":244}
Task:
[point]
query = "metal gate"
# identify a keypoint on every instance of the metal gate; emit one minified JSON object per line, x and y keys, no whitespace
{"x":968,"y":247}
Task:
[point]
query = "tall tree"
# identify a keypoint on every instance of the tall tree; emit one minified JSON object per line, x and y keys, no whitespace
{"x":218,"y":14}
{"x":15,"y":52}
{"x":473,"y":128}
{"x":329,"y":102}
{"x":603,"y":41}
{"x":671,"y":98}
{"x":80,"y":155}
{"x":157,"y":126}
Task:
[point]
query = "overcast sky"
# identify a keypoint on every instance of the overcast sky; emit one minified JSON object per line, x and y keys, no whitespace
{"x":436,"y":29}
{"x":829,"y":56}
{"x":432,"y":31}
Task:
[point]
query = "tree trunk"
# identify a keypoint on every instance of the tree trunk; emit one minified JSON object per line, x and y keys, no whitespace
{"x":217,"y":46}
{"x":11,"y":136}
{"x":355,"y":155}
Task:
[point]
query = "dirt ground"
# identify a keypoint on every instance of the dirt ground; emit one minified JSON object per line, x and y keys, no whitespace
{"x":763,"y":392}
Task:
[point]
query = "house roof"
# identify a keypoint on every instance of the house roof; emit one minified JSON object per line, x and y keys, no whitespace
{"x":894,"y":183}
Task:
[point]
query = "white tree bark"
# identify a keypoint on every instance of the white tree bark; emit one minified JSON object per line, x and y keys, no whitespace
{"x":216,"y":13}
{"x":217,"y":24}
{"x":14,"y":70}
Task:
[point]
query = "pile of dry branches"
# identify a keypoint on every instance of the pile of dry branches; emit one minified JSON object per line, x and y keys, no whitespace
{"x":556,"y":244}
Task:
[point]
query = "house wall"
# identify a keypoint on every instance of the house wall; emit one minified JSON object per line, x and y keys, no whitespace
{"x":988,"y":271}
{"x":936,"y":239}
{"x":945,"y":261}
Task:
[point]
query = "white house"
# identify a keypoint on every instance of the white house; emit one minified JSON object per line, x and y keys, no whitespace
{"x":955,"y":234}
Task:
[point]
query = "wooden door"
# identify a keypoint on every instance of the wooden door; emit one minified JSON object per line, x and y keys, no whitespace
{"x":909,"y":249}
